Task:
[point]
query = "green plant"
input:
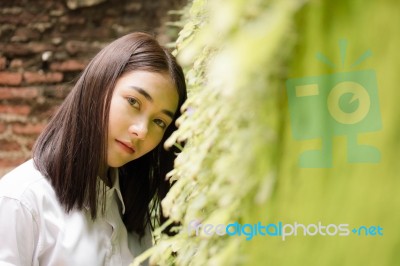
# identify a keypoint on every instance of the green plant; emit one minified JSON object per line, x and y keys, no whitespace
{"x":240,"y":161}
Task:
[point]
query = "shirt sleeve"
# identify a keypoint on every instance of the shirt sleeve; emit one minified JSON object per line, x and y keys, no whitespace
{"x":17,"y":233}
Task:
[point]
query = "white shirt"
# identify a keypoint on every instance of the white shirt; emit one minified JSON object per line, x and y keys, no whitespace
{"x":36,"y":230}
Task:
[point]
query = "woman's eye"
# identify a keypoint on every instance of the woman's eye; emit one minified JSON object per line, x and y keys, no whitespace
{"x":133,"y":102}
{"x":160,"y":123}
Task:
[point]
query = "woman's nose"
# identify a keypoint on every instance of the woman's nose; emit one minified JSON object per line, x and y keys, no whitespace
{"x":138,"y":129}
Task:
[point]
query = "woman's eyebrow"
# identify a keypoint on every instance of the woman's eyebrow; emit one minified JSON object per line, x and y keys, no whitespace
{"x":150,"y":99}
{"x":143,"y":92}
{"x":168,"y":113}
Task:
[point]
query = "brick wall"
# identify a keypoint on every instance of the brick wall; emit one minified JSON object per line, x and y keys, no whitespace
{"x":43,"y":47}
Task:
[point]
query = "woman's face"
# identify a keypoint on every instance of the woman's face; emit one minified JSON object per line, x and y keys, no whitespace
{"x":142,"y":107}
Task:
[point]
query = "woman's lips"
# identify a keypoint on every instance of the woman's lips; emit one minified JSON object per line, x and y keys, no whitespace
{"x":126,"y":146}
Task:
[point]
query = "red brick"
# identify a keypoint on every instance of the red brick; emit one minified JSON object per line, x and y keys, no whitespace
{"x":28,"y":129}
{"x":69,"y":65}
{"x":24,"y":49}
{"x":16,"y":64}
{"x":3,"y":62}
{"x":11,"y":162}
{"x":72,"y":20}
{"x":2,"y":127}
{"x":132,"y":7}
{"x":12,"y":19}
{"x":57,"y":12}
{"x":11,"y":10}
{"x":24,"y":35}
{"x":18,"y":93}
{"x":16,"y":109}
{"x":99,"y":33}
{"x":30,"y":144}
{"x":9,"y":145}
{"x":41,"y":26}
{"x":42,"y":17}
{"x":15,"y":49}
{"x":37,"y":77}
{"x":10,"y":78}
{"x":37,"y":47}
{"x":74,"y":47}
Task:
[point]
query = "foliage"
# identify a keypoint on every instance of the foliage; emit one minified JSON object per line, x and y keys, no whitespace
{"x":239,"y":162}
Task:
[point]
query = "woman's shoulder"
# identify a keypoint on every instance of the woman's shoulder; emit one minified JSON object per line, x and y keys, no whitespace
{"x":25,"y":182}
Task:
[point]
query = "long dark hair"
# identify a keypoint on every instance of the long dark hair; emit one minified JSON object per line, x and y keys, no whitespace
{"x":72,"y":150}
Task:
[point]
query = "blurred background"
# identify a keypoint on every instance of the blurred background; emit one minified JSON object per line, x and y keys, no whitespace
{"x":44,"y":45}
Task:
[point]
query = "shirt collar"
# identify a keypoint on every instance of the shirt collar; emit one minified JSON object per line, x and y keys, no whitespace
{"x":117,"y":189}
{"x":109,"y":191}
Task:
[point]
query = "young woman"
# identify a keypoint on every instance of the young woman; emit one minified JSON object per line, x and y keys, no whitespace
{"x":84,"y":198}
